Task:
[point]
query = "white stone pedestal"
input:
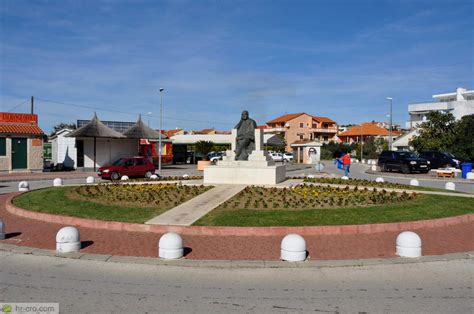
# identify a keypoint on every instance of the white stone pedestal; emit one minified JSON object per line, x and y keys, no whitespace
{"x":258,"y":169}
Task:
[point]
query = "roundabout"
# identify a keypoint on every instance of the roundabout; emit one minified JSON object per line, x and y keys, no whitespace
{"x":446,"y":232}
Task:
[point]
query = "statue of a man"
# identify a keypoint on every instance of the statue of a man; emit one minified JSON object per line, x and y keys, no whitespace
{"x":245,"y":137}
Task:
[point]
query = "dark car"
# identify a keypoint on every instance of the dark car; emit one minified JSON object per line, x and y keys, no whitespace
{"x":405,"y":162}
{"x":441,"y":159}
{"x":128,"y":166}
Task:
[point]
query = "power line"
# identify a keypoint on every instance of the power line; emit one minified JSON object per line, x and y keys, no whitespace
{"x":13,"y":108}
{"x":125,"y":112}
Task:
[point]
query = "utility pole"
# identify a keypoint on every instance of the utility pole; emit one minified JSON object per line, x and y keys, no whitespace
{"x":361,"y":143}
{"x":390,"y":140}
{"x":32,"y":104}
{"x":161,"y":129}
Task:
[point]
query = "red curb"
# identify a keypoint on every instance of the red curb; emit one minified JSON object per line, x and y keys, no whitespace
{"x":236,"y":231}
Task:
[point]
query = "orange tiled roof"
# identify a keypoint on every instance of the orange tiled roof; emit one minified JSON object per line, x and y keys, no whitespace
{"x":367,"y":129}
{"x":204,"y":131}
{"x":323,"y":119}
{"x":170,"y":133}
{"x":19,"y":128}
{"x":285,"y":117}
{"x":262,"y":126}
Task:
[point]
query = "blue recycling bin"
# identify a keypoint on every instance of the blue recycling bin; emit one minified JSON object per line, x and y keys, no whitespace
{"x":339,"y":164}
{"x":465,"y":168}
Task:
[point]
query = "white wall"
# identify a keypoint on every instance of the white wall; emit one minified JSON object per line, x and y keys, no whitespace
{"x":108,"y":150}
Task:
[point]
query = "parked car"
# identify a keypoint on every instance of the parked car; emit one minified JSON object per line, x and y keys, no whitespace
{"x":276,"y":156}
{"x":441,"y":159}
{"x":128,"y":166}
{"x":214,"y":157}
{"x":287,"y":157}
{"x":405,"y":162}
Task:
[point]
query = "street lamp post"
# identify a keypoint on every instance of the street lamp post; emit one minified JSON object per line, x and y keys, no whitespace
{"x":390,"y":127}
{"x":161,"y":127}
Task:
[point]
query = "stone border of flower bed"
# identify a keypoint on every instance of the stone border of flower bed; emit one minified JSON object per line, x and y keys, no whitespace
{"x":235,"y":231}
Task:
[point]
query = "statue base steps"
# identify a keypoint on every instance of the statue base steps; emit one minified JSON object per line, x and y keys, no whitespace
{"x":244,"y":172}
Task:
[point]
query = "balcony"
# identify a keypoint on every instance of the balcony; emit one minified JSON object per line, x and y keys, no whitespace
{"x":324,"y":130}
{"x":274,"y":130}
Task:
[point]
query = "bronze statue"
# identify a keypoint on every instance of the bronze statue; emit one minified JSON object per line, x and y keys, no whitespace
{"x":245,"y":137}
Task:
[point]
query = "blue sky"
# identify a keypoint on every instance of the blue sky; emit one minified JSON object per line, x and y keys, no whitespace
{"x":339,"y":59}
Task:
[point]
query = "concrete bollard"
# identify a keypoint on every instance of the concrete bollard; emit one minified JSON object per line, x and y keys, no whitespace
{"x":450,"y":186}
{"x":414,"y":182}
{"x":374,"y":168}
{"x":408,"y":244}
{"x":90,"y":180}
{"x":23,"y":186}
{"x":68,"y":240}
{"x":310,"y":176}
{"x":470,"y":176}
{"x":154,"y":177}
{"x":380,"y":180}
{"x":58,"y":182}
{"x":344,"y":178}
{"x":185,"y":176}
{"x":170,"y":246}
{"x":124,"y":178}
{"x":363,"y":161}
{"x":2,"y":229}
{"x":293,"y":248}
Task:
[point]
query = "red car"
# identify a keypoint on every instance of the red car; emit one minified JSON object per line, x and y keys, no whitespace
{"x":128,"y":166}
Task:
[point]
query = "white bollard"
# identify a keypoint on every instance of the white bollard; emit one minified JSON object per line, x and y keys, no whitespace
{"x":2,"y":230}
{"x":293,"y":248}
{"x":470,"y":176}
{"x":374,"y":168}
{"x":450,"y":186}
{"x":154,"y":177}
{"x":170,"y":246}
{"x":58,"y":182}
{"x":23,"y":186}
{"x":310,"y":176}
{"x":363,"y":161}
{"x":124,"y":178}
{"x":414,"y":182}
{"x":344,"y":178}
{"x":408,"y":244}
{"x":90,"y":180}
{"x":68,"y":240}
{"x":380,"y":180}
{"x":185,"y":176}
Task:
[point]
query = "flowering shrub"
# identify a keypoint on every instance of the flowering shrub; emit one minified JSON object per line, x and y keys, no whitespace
{"x":143,"y":195}
{"x":359,"y":182}
{"x":309,"y":197}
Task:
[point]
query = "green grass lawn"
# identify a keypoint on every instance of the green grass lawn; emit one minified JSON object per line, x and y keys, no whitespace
{"x":423,"y":207}
{"x":57,"y":200}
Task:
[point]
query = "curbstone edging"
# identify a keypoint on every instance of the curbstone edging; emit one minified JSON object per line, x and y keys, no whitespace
{"x":235,"y":231}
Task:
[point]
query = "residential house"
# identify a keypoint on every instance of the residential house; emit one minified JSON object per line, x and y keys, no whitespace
{"x":459,"y":103}
{"x":365,"y":130}
{"x":302,"y":127}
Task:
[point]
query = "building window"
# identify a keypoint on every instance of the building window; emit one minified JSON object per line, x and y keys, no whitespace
{"x":301,"y":125}
{"x":3,"y":146}
{"x":301,"y":136}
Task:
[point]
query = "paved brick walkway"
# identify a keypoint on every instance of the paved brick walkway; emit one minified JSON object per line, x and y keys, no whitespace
{"x":27,"y":232}
{"x":191,"y":211}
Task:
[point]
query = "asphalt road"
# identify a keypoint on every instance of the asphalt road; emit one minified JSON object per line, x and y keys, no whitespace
{"x":97,"y":287}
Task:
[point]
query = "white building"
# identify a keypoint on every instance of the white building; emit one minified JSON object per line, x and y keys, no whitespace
{"x":63,"y":149}
{"x":459,"y":104}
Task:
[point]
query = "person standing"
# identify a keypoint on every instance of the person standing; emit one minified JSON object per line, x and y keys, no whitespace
{"x":346,"y":162}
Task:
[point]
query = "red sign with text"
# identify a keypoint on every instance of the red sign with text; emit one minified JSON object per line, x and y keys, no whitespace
{"x":18,"y":117}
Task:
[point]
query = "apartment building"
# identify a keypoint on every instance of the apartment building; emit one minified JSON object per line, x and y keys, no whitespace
{"x":459,"y":103}
{"x":296,"y":127}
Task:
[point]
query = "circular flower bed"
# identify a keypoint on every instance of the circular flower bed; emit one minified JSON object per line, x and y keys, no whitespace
{"x":308,"y":196}
{"x":147,"y":195}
